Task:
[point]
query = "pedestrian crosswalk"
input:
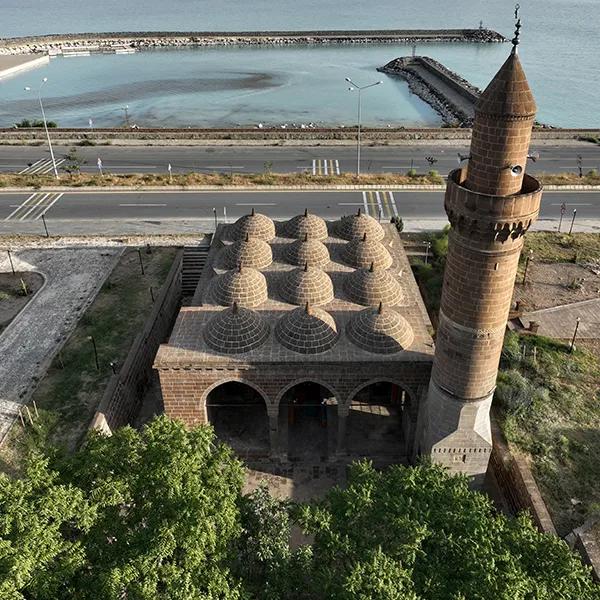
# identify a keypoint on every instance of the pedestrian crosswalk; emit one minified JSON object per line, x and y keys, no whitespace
{"x":41,"y":167}
{"x":34,"y":207}
{"x":321,"y":166}
{"x":380,"y":204}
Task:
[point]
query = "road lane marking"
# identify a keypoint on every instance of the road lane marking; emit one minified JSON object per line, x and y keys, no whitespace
{"x":28,"y":167}
{"x":393,"y":202}
{"x":24,"y":203}
{"x":33,"y":206}
{"x":47,"y":207}
{"x":142,"y":204}
{"x":571,"y":204}
{"x":256,"y":204}
{"x":379,"y":206}
{"x":329,"y":166}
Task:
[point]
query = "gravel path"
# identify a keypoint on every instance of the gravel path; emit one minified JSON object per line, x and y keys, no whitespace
{"x":28,"y":344}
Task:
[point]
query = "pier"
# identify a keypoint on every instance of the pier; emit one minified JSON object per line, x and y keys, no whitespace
{"x":452,"y":96}
{"x":101,"y":42}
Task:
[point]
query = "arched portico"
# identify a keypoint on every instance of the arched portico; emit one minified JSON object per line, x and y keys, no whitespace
{"x":379,"y":420}
{"x":308,"y":425}
{"x":237,"y":410}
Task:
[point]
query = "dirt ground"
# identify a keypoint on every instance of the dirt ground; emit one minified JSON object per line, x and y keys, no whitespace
{"x":12,"y":298}
{"x":555,"y":284}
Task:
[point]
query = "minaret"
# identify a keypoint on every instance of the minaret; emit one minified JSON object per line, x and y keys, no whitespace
{"x":490,"y":205}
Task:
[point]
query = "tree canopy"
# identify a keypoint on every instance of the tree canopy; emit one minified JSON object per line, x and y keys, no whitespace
{"x":159,"y":513}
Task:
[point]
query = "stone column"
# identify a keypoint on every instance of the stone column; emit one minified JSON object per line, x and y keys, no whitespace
{"x":343,"y":412}
{"x":274,"y":433}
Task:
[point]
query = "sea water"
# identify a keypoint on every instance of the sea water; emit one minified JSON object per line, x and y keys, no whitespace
{"x":229,"y":86}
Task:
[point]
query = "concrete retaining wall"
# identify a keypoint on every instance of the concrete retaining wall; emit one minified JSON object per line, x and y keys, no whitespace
{"x":124,"y":393}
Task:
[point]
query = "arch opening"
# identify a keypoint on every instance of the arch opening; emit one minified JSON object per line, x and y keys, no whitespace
{"x":308,"y":422}
{"x":379,"y":422}
{"x":239,"y":416}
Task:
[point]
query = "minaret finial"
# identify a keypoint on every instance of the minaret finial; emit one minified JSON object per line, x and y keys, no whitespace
{"x":234,"y":308}
{"x":515,"y":40}
{"x":306,"y":236}
{"x":380,"y":309}
{"x":247,"y":236}
{"x":372,"y":267}
{"x":307,"y":308}
{"x":365,"y":236}
{"x":253,"y":211}
{"x":306,"y":265}
{"x":306,"y":212}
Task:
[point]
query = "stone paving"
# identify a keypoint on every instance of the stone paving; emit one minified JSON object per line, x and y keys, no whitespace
{"x":27,"y":346}
{"x":559,"y":322}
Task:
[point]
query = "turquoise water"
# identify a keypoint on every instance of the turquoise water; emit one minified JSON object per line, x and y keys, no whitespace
{"x":247,"y":86}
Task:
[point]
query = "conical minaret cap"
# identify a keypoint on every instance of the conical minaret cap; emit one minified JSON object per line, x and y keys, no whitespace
{"x":508,"y":94}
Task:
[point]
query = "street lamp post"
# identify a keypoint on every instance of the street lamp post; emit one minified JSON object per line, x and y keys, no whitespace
{"x":126,"y":109}
{"x":28,"y":89}
{"x":359,"y":89}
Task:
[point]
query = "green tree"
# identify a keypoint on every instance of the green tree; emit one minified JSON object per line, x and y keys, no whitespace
{"x":73,"y":162}
{"x":161,"y":517}
{"x":418,"y":533}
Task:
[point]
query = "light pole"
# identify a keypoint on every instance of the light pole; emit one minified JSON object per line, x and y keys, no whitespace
{"x":359,"y":89}
{"x":28,"y":89}
{"x":126,"y":109}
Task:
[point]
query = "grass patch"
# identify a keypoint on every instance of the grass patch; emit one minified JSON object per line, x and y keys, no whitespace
{"x":252,"y":179}
{"x":547,"y":402}
{"x":69,"y":393}
{"x":561,"y":247}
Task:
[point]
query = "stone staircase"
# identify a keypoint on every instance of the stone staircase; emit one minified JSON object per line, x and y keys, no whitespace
{"x":194,"y":259}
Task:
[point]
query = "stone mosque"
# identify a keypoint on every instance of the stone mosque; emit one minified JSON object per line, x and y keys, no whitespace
{"x":308,"y":340}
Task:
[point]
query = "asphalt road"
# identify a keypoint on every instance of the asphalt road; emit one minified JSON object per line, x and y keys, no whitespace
{"x":283,"y":159}
{"x":156,"y":207}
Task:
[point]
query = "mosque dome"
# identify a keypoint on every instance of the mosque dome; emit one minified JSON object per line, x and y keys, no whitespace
{"x":355,"y":226}
{"x":254,"y":225}
{"x":249,"y":252}
{"x":371,"y":286}
{"x":307,"y":251}
{"x":236,"y":330}
{"x":244,"y":285}
{"x":306,"y":225}
{"x":361,"y":253}
{"x":307,"y":284}
{"x":380,"y":330}
{"x":307,"y":330}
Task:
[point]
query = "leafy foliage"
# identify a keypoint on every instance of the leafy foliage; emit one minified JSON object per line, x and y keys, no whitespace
{"x":418,"y":533}
{"x":159,"y":514}
{"x":149,"y":514}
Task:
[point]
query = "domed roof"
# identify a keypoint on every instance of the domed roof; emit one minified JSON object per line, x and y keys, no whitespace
{"x":380,"y":330}
{"x":355,"y":226}
{"x":235,"y":330}
{"x":309,"y":251}
{"x":361,"y":253}
{"x":371,"y":286}
{"x":306,"y":225}
{"x":244,"y":285}
{"x":249,"y":252}
{"x":255,"y":225}
{"x":307,"y":284}
{"x":307,"y":330}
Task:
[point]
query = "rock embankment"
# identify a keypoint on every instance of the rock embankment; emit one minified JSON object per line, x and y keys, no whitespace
{"x":100,"y":42}
{"x":449,"y":94}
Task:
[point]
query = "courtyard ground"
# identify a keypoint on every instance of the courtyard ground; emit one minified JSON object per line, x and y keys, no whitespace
{"x":71,"y":388}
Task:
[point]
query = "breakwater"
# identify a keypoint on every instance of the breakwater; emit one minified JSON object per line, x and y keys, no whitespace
{"x":106,"y":42}
{"x":449,"y":94}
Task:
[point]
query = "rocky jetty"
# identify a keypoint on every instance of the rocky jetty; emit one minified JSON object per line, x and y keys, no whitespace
{"x":107,"y":42}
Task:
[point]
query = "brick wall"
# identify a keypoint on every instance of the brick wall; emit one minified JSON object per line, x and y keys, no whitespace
{"x":124,"y":393}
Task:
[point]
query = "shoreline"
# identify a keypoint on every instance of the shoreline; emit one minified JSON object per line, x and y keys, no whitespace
{"x":110,"y":41}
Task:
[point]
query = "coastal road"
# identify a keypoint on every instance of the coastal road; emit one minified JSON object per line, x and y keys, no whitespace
{"x":22,"y":212}
{"x":560,"y":158}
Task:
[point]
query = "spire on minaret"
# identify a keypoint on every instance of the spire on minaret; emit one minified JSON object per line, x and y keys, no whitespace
{"x":515,"y":40}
